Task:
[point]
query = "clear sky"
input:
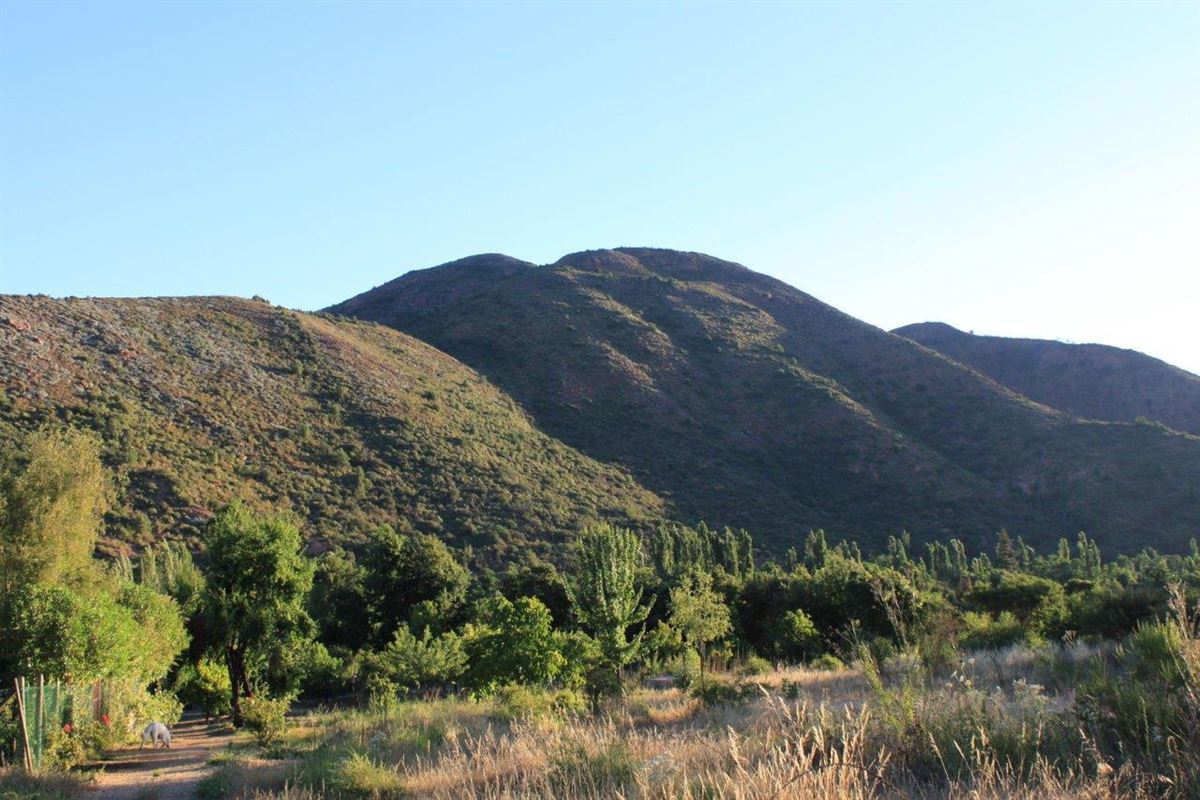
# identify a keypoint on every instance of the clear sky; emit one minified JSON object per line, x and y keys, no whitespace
{"x":1017,"y":169}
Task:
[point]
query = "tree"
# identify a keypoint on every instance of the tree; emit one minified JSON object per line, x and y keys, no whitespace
{"x":411,"y":662}
{"x":795,"y":636}
{"x":540,"y":579}
{"x":699,"y":614}
{"x":1006,"y":551}
{"x":51,"y":504}
{"x":608,"y":602}
{"x":130,"y":632}
{"x":60,"y":613}
{"x":338,"y":601}
{"x":512,"y":642}
{"x":412,"y":579}
{"x":254,"y":601}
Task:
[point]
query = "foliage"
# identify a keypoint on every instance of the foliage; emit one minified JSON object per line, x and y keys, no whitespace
{"x":607,"y":601}
{"x":204,"y":684}
{"x":339,"y":601}
{"x":411,"y":662}
{"x":414,"y":580}
{"x":254,"y":602}
{"x":63,"y":615}
{"x":511,"y":642}
{"x":698,"y":614}
{"x":53,"y":492}
{"x":265,"y":717}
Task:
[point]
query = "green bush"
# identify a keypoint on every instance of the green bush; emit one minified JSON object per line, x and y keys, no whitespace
{"x":685,"y":668}
{"x":266,"y":718}
{"x":64,"y":750}
{"x":755,"y":665}
{"x":718,"y":693}
{"x":205,"y":685}
{"x":358,"y":775}
{"x":518,"y":702}
{"x":1154,"y":652}
{"x":981,"y":632}
{"x":826,"y":662}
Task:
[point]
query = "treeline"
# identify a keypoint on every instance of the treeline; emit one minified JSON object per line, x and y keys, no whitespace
{"x":249,"y":622}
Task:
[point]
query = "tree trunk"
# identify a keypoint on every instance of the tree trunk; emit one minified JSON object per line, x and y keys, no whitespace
{"x":235,"y":661}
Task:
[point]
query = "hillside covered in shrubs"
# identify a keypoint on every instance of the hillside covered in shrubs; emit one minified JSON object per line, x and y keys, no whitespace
{"x":200,"y":401}
{"x":749,"y":403}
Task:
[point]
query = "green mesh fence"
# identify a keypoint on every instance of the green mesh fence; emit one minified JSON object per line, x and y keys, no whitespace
{"x":47,"y":709}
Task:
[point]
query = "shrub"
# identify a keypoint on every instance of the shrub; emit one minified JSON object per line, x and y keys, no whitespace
{"x":1154,"y":650}
{"x":685,"y":668}
{"x":359,"y":775}
{"x":64,"y":750}
{"x":265,"y":718}
{"x":517,"y":702}
{"x":826,"y":662}
{"x":718,"y":693}
{"x":206,"y":685}
{"x":512,"y":642}
{"x":755,"y":665}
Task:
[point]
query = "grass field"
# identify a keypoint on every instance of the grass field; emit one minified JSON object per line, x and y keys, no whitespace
{"x":1015,"y":723}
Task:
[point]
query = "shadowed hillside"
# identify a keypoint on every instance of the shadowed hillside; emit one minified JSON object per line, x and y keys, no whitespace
{"x":747,"y":402}
{"x":1089,"y":380}
{"x":350,"y":424}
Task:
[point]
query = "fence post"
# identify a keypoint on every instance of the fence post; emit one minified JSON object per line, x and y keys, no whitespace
{"x":20,"y":684}
{"x":41,"y":720}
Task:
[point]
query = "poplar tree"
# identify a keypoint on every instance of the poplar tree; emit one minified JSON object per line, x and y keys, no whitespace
{"x":607,"y":601}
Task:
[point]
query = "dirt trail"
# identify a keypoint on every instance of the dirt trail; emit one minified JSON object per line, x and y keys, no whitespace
{"x":163,"y":774}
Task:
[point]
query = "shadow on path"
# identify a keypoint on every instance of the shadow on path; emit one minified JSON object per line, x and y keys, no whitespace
{"x":166,"y":774}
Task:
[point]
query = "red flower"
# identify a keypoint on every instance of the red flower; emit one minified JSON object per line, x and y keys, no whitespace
{"x":105,"y":720}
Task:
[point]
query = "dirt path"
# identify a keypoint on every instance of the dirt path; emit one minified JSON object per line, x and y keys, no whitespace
{"x":162,"y":774}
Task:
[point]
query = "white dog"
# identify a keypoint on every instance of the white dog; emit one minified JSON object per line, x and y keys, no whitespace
{"x":156,"y":732}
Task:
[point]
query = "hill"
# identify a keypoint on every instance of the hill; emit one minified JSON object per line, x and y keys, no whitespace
{"x":200,"y":400}
{"x":1088,"y":380}
{"x":744,"y":401}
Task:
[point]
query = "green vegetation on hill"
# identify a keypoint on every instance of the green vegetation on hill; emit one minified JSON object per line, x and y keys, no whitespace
{"x":200,"y":401}
{"x":1004,"y":673}
{"x":745,"y":402}
{"x":1089,"y":380}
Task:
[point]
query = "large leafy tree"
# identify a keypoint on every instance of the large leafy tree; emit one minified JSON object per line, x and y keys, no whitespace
{"x":607,"y":600}
{"x":53,"y":493}
{"x":255,"y":597}
{"x":60,"y":613}
{"x":512,"y":642}
{"x":412,"y":579}
{"x":338,"y":601}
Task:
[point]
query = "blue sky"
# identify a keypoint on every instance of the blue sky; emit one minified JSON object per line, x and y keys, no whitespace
{"x":1017,"y":169}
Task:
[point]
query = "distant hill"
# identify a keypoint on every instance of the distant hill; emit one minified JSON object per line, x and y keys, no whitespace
{"x":741,"y":400}
{"x":349,"y":424}
{"x":1088,"y":380}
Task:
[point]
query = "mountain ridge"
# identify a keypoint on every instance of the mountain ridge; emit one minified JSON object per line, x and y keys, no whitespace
{"x":1094,"y":381}
{"x":608,"y":349}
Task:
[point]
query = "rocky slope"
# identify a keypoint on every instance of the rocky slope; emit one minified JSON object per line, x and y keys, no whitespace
{"x":350,"y":424}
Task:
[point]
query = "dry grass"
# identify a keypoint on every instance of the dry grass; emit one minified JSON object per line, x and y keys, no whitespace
{"x":669,"y":745}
